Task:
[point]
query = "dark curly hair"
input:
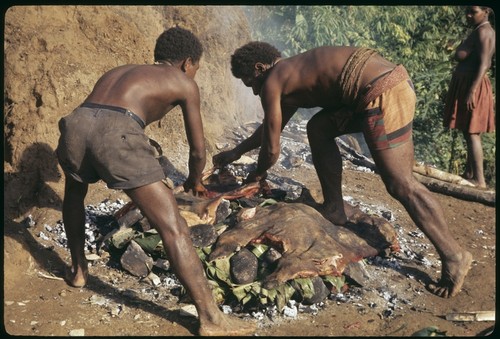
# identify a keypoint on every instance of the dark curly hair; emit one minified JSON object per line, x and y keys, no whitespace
{"x":244,"y":58}
{"x":176,"y":44}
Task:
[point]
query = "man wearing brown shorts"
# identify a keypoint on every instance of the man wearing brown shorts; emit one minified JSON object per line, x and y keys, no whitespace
{"x":103,"y":139}
{"x":358,"y":91}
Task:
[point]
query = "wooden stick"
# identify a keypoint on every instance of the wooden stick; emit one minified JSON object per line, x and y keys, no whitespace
{"x":472,"y":316}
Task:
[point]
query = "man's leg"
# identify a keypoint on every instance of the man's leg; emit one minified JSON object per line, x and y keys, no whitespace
{"x":158,"y":204}
{"x":395,"y":167}
{"x":74,"y":225}
{"x":321,"y":132}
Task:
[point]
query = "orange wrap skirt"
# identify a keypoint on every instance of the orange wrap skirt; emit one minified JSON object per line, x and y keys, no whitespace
{"x":456,"y":114}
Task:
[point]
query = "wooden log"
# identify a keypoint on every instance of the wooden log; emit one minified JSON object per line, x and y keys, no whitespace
{"x":472,"y":316}
{"x":435,"y":173}
{"x":458,"y":191}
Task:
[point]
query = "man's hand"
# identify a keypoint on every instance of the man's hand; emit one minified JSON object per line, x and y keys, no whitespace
{"x":255,"y":177}
{"x":224,"y":158}
{"x":197,"y":189}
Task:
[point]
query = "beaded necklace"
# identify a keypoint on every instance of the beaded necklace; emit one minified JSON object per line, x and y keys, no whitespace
{"x":481,"y":24}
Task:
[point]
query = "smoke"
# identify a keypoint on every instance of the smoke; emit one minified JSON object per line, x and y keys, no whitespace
{"x":249,"y":105}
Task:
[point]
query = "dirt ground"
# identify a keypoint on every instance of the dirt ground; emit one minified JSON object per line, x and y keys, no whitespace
{"x":53,"y":56}
{"x":36,"y":305}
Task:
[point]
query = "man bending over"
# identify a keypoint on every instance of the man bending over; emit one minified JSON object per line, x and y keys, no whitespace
{"x":358,"y":91}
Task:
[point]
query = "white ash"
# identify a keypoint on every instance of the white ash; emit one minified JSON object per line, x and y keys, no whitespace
{"x":43,"y":236}
{"x":382,"y":211}
{"x":226,"y":309}
{"x":311,"y":309}
{"x":170,"y":281}
{"x":97,"y":219}
{"x":290,"y":311}
{"x":98,"y":300}
{"x":479,"y":232}
{"x":257,"y":315}
{"x":363,"y":169}
{"x":29,"y":222}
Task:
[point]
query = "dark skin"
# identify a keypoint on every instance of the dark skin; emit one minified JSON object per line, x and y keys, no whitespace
{"x":310,"y":80}
{"x":150,"y":91}
{"x":474,"y":54}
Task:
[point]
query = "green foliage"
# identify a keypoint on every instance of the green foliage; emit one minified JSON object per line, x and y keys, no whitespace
{"x":225,"y":290}
{"x":150,"y":242}
{"x":338,"y":282}
{"x":422,"y":38}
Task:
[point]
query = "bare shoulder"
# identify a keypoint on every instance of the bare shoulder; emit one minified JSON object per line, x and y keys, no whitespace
{"x":486,"y":31}
{"x":173,"y":80}
{"x":486,"y":36}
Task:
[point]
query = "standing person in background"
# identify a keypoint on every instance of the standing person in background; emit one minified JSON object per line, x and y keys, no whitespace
{"x":469,"y":103}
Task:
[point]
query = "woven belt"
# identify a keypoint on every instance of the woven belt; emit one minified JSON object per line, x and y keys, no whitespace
{"x":117,"y":109}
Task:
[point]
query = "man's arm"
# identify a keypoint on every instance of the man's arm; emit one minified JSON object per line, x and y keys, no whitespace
{"x":194,"y":132}
{"x":276,"y":118}
{"x":250,"y":143}
{"x":254,"y":141}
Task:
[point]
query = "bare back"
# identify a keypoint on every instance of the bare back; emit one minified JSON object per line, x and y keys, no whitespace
{"x":311,"y":79}
{"x":476,"y":50}
{"x":150,"y":91}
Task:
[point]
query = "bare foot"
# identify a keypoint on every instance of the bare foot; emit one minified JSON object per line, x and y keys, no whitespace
{"x":477,"y":184}
{"x":227,"y":326}
{"x":453,"y":276}
{"x":353,"y":212}
{"x":335,"y":216}
{"x":78,"y":279}
{"x":339,"y":217}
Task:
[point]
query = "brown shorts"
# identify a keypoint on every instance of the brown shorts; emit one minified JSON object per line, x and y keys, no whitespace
{"x":104,"y":142}
{"x":387,"y":120}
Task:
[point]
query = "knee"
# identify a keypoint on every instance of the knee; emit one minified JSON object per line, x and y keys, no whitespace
{"x":177,"y":230}
{"x":401,"y":190}
{"x":171,"y":226}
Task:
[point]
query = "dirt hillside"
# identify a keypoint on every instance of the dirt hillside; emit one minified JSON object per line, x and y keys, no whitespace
{"x":53,"y":56}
